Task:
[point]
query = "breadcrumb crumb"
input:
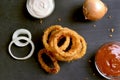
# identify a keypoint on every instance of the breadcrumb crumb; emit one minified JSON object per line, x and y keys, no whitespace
{"x":94,"y":25}
{"x":59,"y":19}
{"x":93,"y":74}
{"x":109,"y":17}
{"x":89,"y":61}
{"x":110,"y":35}
{"x":112,"y":30}
{"x":86,"y":78}
{"x":41,"y":21}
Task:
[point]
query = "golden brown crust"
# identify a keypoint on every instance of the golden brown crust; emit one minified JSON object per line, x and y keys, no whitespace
{"x":75,"y":47}
{"x":51,"y":38}
{"x":48,"y":69}
{"x":48,"y":32}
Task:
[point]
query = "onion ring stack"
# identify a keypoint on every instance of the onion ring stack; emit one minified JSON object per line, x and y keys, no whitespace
{"x":64,"y":44}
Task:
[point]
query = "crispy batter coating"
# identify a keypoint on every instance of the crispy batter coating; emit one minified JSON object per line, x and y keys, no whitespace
{"x":48,"y":69}
{"x":76,"y":52}
{"x":72,"y":48}
{"x":48,"y":32}
{"x":75,"y":47}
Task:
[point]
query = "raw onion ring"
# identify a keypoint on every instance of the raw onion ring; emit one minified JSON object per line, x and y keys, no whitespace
{"x":18,"y":39}
{"x":20,"y":32}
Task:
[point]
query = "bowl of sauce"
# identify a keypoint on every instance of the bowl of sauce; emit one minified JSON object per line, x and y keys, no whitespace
{"x":107,"y":60}
{"x":40,"y":8}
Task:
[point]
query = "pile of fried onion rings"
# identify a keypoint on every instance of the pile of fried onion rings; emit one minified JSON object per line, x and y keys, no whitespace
{"x":61,"y":44}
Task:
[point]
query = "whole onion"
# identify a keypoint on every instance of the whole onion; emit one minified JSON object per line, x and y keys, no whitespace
{"x":94,"y":9}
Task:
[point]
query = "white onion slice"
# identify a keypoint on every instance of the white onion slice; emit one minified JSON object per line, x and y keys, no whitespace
{"x":17,"y":39}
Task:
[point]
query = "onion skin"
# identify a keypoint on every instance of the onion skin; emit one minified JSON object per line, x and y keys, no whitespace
{"x":94,"y":9}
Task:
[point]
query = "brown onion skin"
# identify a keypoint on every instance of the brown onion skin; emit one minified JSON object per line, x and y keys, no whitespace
{"x":94,"y":9}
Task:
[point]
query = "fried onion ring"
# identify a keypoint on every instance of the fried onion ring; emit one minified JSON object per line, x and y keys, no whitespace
{"x":51,"y":30}
{"x":48,"y":69}
{"x":78,"y":55}
{"x":82,"y":50}
{"x":75,"y":47}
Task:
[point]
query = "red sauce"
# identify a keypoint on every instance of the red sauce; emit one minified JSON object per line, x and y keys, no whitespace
{"x":108,"y":59}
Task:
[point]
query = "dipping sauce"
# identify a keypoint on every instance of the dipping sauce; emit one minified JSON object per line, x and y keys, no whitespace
{"x":107,"y":59}
{"x":40,"y":8}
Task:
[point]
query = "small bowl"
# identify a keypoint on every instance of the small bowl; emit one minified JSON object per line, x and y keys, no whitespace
{"x":32,"y":6}
{"x":107,"y":60}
